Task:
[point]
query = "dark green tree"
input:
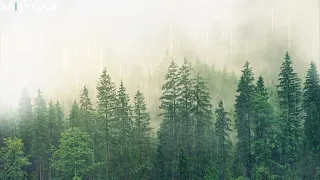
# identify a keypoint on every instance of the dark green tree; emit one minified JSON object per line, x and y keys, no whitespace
{"x":224,"y":145}
{"x":106,"y":115}
{"x":289,"y":93}
{"x":142,"y":140}
{"x":13,"y":159}
{"x":74,"y":116}
{"x":167,"y":145}
{"x":86,"y":110}
{"x":41,"y":143}
{"x":262,"y":125}
{"x":25,"y":123}
{"x":124,"y":127}
{"x":244,"y":113}
{"x":311,"y":106}
{"x":202,"y":113}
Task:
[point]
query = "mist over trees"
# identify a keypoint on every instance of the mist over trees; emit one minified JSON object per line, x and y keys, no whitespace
{"x":213,"y":126}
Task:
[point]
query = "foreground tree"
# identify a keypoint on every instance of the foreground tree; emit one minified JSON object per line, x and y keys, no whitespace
{"x":13,"y":159}
{"x":289,"y":93}
{"x":142,"y":140}
{"x":244,"y":113}
{"x":168,"y":134}
{"x":262,"y":126}
{"x":106,"y":119}
{"x":224,"y":145}
{"x":311,"y":105}
{"x":74,"y":155}
{"x":203,"y":133}
{"x":41,"y":143}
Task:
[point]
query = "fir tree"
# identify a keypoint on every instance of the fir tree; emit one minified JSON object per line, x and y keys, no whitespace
{"x":168,"y":130}
{"x":222,"y":129}
{"x":74,"y":116}
{"x":106,"y":112}
{"x":244,"y":118}
{"x":289,"y":93}
{"x":311,"y":104}
{"x":86,"y":111}
{"x":202,"y":113}
{"x":26,"y":116}
{"x":41,"y":140}
{"x":142,"y":137}
{"x":262,"y":125}
{"x":185,"y":101}
{"x":124,"y":127}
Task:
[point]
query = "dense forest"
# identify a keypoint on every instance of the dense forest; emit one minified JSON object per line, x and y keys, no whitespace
{"x":213,"y":126}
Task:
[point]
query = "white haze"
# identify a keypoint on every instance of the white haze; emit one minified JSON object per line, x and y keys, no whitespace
{"x":49,"y":50}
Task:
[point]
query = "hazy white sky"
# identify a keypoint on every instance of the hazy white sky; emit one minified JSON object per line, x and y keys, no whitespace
{"x":36,"y":45}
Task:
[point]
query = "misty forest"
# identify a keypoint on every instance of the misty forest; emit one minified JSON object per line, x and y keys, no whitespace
{"x":161,"y":98}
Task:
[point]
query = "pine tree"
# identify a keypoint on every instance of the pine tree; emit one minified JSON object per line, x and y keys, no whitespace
{"x":41,"y":141}
{"x":184,"y":166}
{"x":74,"y":116}
{"x":222,"y":129}
{"x":53,"y":129}
{"x":202,"y":113}
{"x":168,"y":130}
{"x":185,"y":101}
{"x":60,"y":118}
{"x":124,"y":126}
{"x":106,"y":112}
{"x":142,"y":137}
{"x":311,"y":104}
{"x":25,"y":124}
{"x":289,"y":93}
{"x":86,"y":111}
{"x":244,"y":119}
{"x":262,"y":125}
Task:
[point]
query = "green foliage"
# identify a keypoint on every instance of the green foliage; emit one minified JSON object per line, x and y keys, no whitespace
{"x":74,"y":155}
{"x":289,"y":93}
{"x":311,"y":104}
{"x":106,"y":120}
{"x":262,"y":173}
{"x":222,"y":128}
{"x":244,"y":113}
{"x":142,"y":140}
{"x":12,"y":159}
{"x":75,"y":116}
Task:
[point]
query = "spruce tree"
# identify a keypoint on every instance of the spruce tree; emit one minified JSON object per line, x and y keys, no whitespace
{"x":289,"y":93}
{"x":60,"y":118}
{"x":25,"y":123}
{"x":124,"y":126}
{"x":262,"y":125}
{"x":311,"y":104}
{"x":86,"y":110}
{"x":202,"y":114}
{"x":74,"y":116}
{"x":244,"y":113}
{"x":41,"y":140}
{"x":222,"y":129}
{"x":185,"y":101}
{"x":106,"y":113}
{"x":168,"y":130}
{"x":142,"y":137}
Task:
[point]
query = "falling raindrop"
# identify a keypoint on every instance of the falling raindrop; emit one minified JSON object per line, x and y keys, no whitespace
{"x":272,"y":14}
{"x":289,"y":34}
